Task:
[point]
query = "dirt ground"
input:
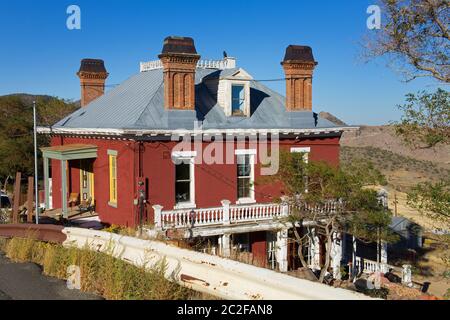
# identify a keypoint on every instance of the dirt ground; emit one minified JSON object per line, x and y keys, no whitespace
{"x":432,"y":259}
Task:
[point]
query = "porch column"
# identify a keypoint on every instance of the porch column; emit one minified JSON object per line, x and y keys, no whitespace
{"x":225,"y":245}
{"x":384,"y":257}
{"x":336,"y":255}
{"x":64,"y":189}
{"x":282,"y":250}
{"x":314,"y":248}
{"x":46,"y":183}
{"x":157,"y":209}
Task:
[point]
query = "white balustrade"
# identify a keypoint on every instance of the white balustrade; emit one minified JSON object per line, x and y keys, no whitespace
{"x":226,"y":214}
{"x":184,"y":218}
{"x":370,"y":266}
{"x":244,"y":213}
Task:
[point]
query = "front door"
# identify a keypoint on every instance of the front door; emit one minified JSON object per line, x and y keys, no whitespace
{"x":87,"y":180}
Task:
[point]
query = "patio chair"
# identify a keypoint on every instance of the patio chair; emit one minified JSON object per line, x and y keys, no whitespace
{"x":87,"y":206}
{"x":73,"y":200}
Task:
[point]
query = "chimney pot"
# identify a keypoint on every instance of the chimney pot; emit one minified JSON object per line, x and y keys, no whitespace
{"x":179,"y":58}
{"x":299,"y":65}
{"x":92,"y":76}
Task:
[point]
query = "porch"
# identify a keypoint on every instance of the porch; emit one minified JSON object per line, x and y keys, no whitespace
{"x":80,"y":156}
{"x":228,"y":224}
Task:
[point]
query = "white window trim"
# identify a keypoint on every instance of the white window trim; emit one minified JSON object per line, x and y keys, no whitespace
{"x":252,"y":154}
{"x":113,"y":153}
{"x":184,"y":154}
{"x":305,"y":150}
{"x":187,"y":155}
{"x":241,"y":152}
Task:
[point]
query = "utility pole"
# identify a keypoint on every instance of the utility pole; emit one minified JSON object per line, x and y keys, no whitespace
{"x":36,"y":187}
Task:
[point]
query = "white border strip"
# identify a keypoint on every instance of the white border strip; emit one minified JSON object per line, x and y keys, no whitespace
{"x":182,"y":132}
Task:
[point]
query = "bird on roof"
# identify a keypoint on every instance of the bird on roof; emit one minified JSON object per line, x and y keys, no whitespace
{"x":225,"y":55}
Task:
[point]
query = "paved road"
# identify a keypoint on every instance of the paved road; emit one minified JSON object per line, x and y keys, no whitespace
{"x":25,"y":281}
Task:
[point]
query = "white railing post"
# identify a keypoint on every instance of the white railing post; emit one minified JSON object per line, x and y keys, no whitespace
{"x":158,"y":216}
{"x":226,"y":211}
{"x":284,"y":209}
{"x":384,"y":257}
{"x":282,"y":250}
{"x":406,"y":275}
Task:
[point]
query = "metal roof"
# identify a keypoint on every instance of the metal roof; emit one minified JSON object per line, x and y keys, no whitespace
{"x":138,"y":104}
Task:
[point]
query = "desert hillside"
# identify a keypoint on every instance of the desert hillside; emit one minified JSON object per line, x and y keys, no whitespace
{"x":402,"y":172}
{"x":384,"y":138}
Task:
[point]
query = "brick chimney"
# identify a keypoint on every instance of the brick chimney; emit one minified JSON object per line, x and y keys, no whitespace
{"x":179,"y":58}
{"x":298,"y":65}
{"x":92,"y":76}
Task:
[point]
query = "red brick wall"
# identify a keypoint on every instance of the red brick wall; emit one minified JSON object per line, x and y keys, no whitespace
{"x":124,"y":213}
{"x":213,"y":182}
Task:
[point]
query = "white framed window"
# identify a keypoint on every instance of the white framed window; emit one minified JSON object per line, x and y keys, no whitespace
{"x":306,"y":151}
{"x":245,"y":161}
{"x":184,"y":179}
{"x":112,"y":159}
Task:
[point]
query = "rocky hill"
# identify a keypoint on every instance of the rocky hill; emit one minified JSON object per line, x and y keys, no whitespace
{"x":332,"y":118}
{"x":384,"y":138}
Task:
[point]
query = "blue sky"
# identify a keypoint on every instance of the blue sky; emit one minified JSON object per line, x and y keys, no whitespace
{"x":40,"y":55}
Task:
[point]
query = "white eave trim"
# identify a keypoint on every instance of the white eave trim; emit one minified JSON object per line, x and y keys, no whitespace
{"x":182,"y":132}
{"x":301,"y":150}
{"x":184,"y":154}
{"x":244,"y":152}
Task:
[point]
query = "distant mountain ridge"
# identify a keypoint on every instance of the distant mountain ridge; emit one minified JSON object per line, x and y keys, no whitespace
{"x":328,"y":116}
{"x":29,"y":98}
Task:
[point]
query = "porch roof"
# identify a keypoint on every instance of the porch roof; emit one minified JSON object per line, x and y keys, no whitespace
{"x":70,"y":152}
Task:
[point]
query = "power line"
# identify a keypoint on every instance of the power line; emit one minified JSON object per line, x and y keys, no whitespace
{"x":271,"y":80}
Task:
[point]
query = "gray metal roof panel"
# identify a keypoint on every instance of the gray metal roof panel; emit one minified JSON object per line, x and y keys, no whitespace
{"x":138,"y":103}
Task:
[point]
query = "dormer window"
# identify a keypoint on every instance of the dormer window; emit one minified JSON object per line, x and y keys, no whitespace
{"x":232,"y":87}
{"x":238,"y":100}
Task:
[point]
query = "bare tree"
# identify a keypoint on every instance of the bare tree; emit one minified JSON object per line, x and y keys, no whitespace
{"x":414,"y":38}
{"x":426,"y":119}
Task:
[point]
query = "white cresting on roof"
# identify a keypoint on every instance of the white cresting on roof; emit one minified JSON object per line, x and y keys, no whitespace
{"x":227,"y":63}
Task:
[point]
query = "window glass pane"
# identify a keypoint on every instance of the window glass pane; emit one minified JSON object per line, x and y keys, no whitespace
{"x":244,"y":168}
{"x":243,"y":187}
{"x":183,"y":182}
{"x":183,"y":191}
{"x":183,"y":172}
{"x":238,"y":98}
{"x":244,"y":172}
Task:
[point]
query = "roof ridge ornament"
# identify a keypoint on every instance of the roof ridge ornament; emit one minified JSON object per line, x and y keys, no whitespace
{"x":226,"y":63}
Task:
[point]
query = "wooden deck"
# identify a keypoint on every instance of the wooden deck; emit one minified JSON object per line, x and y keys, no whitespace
{"x":74,"y":213}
